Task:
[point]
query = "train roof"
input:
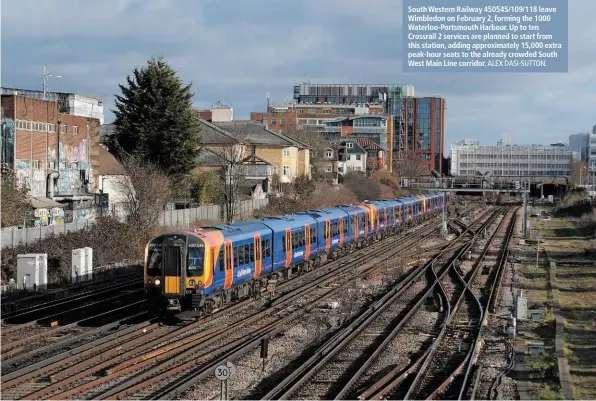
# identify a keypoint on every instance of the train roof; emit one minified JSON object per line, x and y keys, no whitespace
{"x":391,"y":202}
{"x":327,"y":213}
{"x":245,"y":229}
{"x":284,"y":221}
{"x":351,"y":209}
{"x":379,"y":203}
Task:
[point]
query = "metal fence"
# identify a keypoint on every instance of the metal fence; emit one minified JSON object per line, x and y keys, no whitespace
{"x":168,"y":218}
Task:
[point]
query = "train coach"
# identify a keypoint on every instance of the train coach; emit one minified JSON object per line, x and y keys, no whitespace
{"x":200,"y":271}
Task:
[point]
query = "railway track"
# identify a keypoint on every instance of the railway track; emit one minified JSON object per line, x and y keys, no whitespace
{"x":83,"y":375}
{"x":30,"y":336}
{"x":336,"y":367}
{"x":438,"y":373}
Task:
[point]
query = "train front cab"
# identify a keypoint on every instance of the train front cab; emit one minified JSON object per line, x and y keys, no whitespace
{"x":177,"y":270}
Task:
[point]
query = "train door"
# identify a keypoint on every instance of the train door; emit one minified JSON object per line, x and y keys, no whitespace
{"x":355,"y":220}
{"x":229,"y":265}
{"x":173,"y":265}
{"x":327,"y":235}
{"x":341,"y":231}
{"x":288,"y":247}
{"x":366,"y":218}
{"x":258,"y":256}
{"x":307,"y":239}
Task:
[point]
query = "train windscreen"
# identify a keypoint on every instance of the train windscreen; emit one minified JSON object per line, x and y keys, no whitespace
{"x":154,"y":257}
{"x":196,"y":256}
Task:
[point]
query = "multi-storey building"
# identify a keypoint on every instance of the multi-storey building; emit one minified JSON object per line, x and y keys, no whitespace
{"x":404,"y":122}
{"x":68,"y":103}
{"x":580,"y":143}
{"x":469,"y":158}
{"x":55,"y":155}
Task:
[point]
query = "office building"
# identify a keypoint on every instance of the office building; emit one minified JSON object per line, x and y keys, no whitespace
{"x":402,"y":122}
{"x":470,"y":158}
{"x":580,"y":143}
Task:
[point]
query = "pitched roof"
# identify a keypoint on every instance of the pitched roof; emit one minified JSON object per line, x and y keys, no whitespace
{"x":209,"y":158}
{"x":253,"y":132}
{"x":368,"y":144}
{"x":355,"y":149}
{"x":214,"y":135}
{"x":108,"y":165}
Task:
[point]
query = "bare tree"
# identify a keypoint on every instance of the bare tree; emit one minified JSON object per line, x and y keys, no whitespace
{"x":14,"y":202}
{"x":409,"y":164}
{"x":233,"y":170}
{"x":311,"y":137}
{"x":145,"y":191}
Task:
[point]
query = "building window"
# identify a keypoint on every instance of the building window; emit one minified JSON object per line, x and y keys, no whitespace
{"x":350,"y":145}
{"x":287,"y":171}
{"x":286,"y":152}
{"x":63,"y":128}
{"x":273,"y":121}
{"x":312,"y":111}
{"x":299,"y":111}
{"x":50,"y":127}
{"x":328,"y":169}
{"x":35,"y":164}
{"x":282,"y":121}
{"x":329,"y":154}
{"x":27,"y":125}
{"x":358,"y":157}
{"x":75,"y":130}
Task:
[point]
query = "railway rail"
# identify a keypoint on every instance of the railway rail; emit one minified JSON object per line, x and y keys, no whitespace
{"x":101,"y":371}
{"x":332,"y":371}
{"x":446,"y":366}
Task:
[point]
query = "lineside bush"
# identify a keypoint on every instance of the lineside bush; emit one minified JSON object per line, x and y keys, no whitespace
{"x":111,"y":241}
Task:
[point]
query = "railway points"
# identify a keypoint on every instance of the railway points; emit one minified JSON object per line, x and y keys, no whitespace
{"x":415,"y":283}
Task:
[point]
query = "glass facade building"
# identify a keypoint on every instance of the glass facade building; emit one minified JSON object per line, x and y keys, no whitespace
{"x":425,"y":129}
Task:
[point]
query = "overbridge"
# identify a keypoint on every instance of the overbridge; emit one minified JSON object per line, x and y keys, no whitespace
{"x":473,"y":184}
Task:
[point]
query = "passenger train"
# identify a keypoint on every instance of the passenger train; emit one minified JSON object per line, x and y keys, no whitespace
{"x":201,"y":271}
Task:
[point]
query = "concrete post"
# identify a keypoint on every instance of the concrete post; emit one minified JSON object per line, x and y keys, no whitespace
{"x":525,"y":219}
{"x":444,"y":226}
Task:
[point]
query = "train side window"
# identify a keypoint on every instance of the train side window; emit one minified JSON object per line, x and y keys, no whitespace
{"x":283,"y":243}
{"x":346,"y":227}
{"x":251,"y":252}
{"x":240,"y":255}
{"x":267,"y":248}
{"x":313,"y":234}
{"x":237,"y":256}
{"x":221,"y":259}
{"x":325,"y":231}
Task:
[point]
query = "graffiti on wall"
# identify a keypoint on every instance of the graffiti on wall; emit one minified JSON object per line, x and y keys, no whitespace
{"x":7,"y":141}
{"x":33,"y":179}
{"x":74,"y":167}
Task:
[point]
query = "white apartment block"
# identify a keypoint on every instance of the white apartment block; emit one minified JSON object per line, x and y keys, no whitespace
{"x":470,"y":158}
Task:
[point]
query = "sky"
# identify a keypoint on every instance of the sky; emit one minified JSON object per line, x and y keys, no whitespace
{"x":235,"y":51}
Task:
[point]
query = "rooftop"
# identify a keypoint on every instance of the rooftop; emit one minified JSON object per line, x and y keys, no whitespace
{"x":254,"y":132}
{"x":108,"y":165}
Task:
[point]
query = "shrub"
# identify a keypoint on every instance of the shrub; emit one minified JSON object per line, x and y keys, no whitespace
{"x":363,"y":187}
{"x":111,"y":241}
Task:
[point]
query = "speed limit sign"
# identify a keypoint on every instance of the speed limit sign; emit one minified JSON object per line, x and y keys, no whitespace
{"x":225,"y":372}
{"x":222,"y":372}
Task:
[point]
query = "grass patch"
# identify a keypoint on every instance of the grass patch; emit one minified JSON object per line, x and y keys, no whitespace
{"x":544,"y":362}
{"x":580,"y":300}
{"x":579,"y":282}
{"x":538,"y":298}
{"x":548,"y":393}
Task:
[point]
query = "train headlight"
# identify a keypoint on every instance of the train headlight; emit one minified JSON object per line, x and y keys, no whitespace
{"x":191,"y":283}
{"x":157,"y":281}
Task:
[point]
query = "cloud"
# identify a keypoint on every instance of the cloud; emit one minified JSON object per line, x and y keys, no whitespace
{"x":235,"y":51}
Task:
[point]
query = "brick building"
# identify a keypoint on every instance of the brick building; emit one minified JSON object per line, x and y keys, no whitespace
{"x":412,"y":123}
{"x":55,"y":154}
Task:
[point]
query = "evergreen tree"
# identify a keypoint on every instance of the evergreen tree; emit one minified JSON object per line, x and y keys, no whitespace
{"x":155,"y":120}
